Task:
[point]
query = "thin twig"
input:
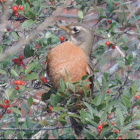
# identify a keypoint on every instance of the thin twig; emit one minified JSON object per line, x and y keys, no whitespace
{"x":33,"y":129}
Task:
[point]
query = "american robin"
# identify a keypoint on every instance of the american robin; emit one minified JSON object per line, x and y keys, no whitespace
{"x":71,"y":56}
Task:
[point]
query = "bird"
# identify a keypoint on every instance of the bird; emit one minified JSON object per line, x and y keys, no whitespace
{"x":72,"y":56}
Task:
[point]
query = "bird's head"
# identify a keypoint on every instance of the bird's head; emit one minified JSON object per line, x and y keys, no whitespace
{"x":80,"y":35}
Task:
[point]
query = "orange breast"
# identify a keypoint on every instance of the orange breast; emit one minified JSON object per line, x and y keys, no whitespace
{"x":66,"y":57}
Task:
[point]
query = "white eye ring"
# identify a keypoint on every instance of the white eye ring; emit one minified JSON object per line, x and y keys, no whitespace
{"x":75,"y":30}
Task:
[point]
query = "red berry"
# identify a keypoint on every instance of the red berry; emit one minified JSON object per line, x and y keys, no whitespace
{"x":109,"y":21}
{"x":121,"y":28}
{"x":107,"y":91}
{"x":21,"y":57}
{"x":44,"y":80}
{"x":109,"y":117}
{"x":15,"y":8}
{"x":0,"y":116}
{"x":16,"y":87}
{"x":116,"y":131}
{"x":15,"y":82}
{"x":113,"y":47}
{"x":8,"y":29}
{"x":5,"y":106}
{"x":16,"y":14}
{"x":50,"y":48}
{"x":99,"y":126}
{"x":115,"y":4}
{"x":107,"y":43}
{"x":50,"y":108}
{"x":21,"y":8}
{"x":8,"y":111}
{"x":112,"y":123}
{"x":103,"y":124}
{"x":119,"y":138}
{"x":62,"y":39}
{"x":33,"y":103}
{"x":99,"y":130}
{"x":23,"y":84}
{"x":6,"y":101}
{"x":137,"y":97}
{"x":20,"y":63}
{"x":37,"y":46}
{"x":19,"y":82}
{"x":15,"y":60}
{"x":25,"y":67}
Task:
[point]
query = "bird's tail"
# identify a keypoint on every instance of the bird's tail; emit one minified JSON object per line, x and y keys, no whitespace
{"x":76,"y":126}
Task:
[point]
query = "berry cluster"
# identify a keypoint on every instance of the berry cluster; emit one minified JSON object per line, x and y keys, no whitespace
{"x":5,"y":106}
{"x":44,"y":80}
{"x":110,"y":44}
{"x":16,"y":9}
{"x":99,"y":128}
{"x":18,"y":82}
{"x":18,"y":60}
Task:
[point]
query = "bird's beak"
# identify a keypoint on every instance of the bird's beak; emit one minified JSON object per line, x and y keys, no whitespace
{"x":64,"y":28}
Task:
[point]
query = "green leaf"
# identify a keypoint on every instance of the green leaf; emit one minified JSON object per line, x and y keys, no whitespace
{"x":27,"y":24}
{"x":129,"y":59}
{"x":89,"y":107}
{"x":87,"y":77}
{"x":53,"y":101}
{"x":121,"y":64}
{"x":17,"y":111}
{"x":126,"y":128}
{"x":16,"y":119}
{"x":62,"y":84}
{"x":28,"y":122}
{"x":138,"y":127}
{"x":55,"y":133}
{"x":30,"y":101}
{"x":2,"y":72}
{"x":28,"y":51}
{"x":126,"y":101}
{"x":46,"y":96}
{"x":31,"y":76}
{"x":133,"y":89}
{"x":120,"y":116}
{"x":57,"y":109}
{"x":83,"y":115}
{"x":32,"y":14}
{"x":1,"y":49}
{"x":15,"y":35}
{"x":8,"y":92}
{"x":14,"y":73}
{"x":80,"y":14}
{"x":90,"y":135}
{"x":98,"y":99}
{"x":31,"y":66}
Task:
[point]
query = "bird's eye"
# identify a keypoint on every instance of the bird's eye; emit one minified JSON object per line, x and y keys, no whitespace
{"x":75,"y":30}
